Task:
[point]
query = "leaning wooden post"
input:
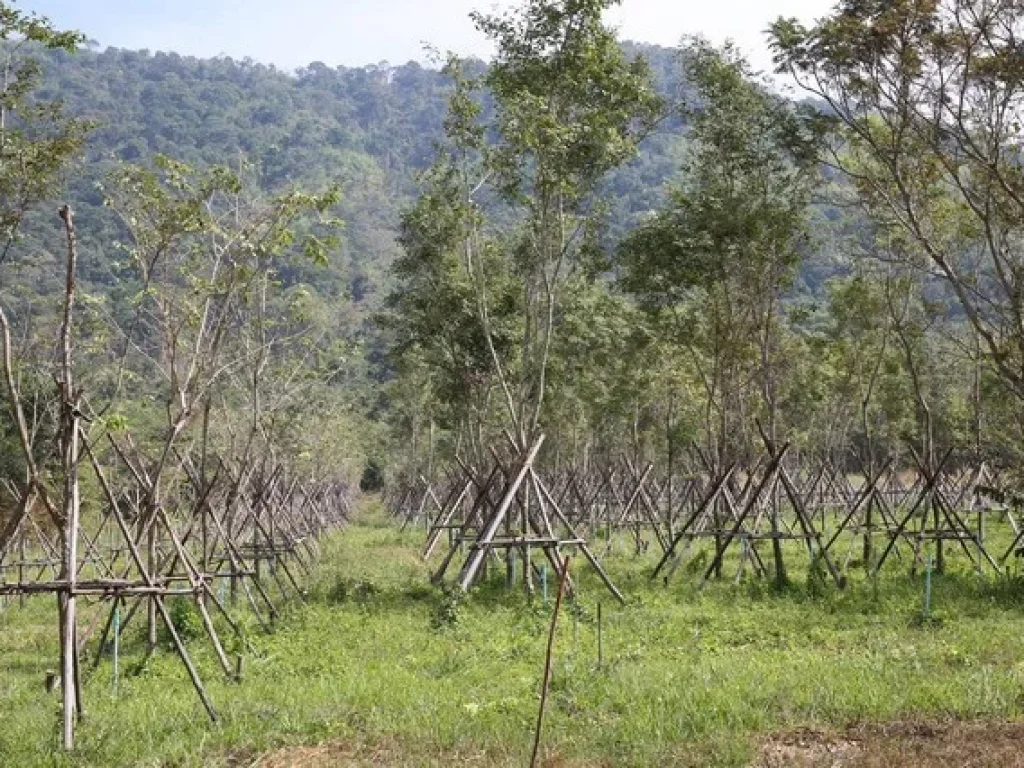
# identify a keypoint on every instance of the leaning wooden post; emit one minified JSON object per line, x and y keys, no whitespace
{"x":547,"y":661}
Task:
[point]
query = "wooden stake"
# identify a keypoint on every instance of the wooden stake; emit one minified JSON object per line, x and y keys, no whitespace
{"x":72,"y":500}
{"x":547,"y":661}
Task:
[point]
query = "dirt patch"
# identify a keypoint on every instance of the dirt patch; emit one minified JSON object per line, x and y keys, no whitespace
{"x":334,"y":753}
{"x":894,"y":745}
{"x":903,"y":744}
{"x":348,"y":755}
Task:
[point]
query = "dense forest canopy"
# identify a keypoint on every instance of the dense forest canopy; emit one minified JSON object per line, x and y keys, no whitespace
{"x":370,"y":130}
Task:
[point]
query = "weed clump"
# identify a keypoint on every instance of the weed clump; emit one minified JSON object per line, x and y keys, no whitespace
{"x":361,"y":591}
{"x":448,"y":609}
{"x":817,"y":583}
{"x":185,"y":617}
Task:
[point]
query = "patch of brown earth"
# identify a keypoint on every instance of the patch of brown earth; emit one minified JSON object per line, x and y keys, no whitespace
{"x":914,"y":744}
{"x":347,"y":755}
{"x":902,"y":744}
{"x":333,"y":753}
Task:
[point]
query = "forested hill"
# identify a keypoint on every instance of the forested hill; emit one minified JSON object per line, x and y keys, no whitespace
{"x":369,"y":130}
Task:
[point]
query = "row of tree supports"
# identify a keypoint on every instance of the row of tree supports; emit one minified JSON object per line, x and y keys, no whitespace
{"x":176,"y":522}
{"x":240,"y":530}
{"x":738,"y":515}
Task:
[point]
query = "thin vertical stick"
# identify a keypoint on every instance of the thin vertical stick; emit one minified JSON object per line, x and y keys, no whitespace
{"x":117,"y":641}
{"x":927,"y":615}
{"x":547,"y":660}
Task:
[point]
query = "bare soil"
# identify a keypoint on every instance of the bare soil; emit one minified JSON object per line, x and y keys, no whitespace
{"x":348,"y":755}
{"x":915,"y":744}
{"x":903,"y":744}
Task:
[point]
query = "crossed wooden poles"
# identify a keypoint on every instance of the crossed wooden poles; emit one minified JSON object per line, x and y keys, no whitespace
{"x":510,"y":509}
{"x":928,"y":510}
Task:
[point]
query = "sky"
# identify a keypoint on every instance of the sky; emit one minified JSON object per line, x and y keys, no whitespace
{"x":294,"y":33}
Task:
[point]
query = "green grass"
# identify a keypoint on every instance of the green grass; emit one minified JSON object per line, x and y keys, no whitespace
{"x":691,"y":676}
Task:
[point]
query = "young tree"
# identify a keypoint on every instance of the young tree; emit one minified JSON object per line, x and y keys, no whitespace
{"x":438,"y":315}
{"x":37,"y":140}
{"x":36,"y":143}
{"x":724,"y":251}
{"x":204,"y":254}
{"x":569,"y":109}
{"x":521,"y":191}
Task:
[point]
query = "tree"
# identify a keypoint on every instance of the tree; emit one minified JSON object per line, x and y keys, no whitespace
{"x":436,"y":315}
{"x":522,"y":189}
{"x":36,"y":138}
{"x":925,"y":98}
{"x":721,"y":255}
{"x":569,"y":109}
{"x":36,"y":142}
{"x":203,"y":254}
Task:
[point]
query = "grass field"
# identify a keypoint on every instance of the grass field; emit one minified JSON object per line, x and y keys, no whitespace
{"x":387,"y":670}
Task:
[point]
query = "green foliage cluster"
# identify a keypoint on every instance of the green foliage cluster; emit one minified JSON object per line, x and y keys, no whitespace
{"x":769,"y":307}
{"x":367,"y":131}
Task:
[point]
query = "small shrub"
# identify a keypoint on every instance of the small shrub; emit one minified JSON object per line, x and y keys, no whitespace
{"x":373,"y":477}
{"x":339,"y":591}
{"x":418,"y":592}
{"x":185,"y":617}
{"x":365,"y":591}
{"x":817,"y":586}
{"x":697,"y":563}
{"x":447,"y":614}
{"x":362,"y":592}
